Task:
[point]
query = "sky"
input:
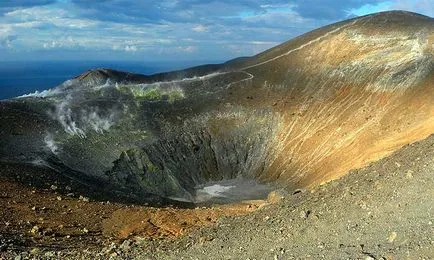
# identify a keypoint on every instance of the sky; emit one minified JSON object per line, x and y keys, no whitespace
{"x":168,"y":30}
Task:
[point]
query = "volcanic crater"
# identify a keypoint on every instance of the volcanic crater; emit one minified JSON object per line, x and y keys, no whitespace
{"x":295,"y":116}
{"x":299,"y":115}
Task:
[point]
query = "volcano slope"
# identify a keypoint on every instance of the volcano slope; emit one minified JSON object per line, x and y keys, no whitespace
{"x":298,"y":115}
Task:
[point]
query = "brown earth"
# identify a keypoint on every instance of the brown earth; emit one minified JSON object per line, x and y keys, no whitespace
{"x":42,"y":209}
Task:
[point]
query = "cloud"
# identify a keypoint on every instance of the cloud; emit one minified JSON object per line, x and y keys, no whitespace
{"x":130,"y":48}
{"x":8,"y":6}
{"x":157,"y":29}
{"x":200,"y":28}
{"x":328,"y":9}
{"x":7,"y":41}
{"x":189,"y":49}
{"x":24,"y":3}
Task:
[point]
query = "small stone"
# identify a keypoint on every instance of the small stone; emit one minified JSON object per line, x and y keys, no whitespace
{"x":34,"y":230}
{"x":53,"y":187}
{"x":50,"y":254}
{"x":34,"y":251}
{"x":82,"y":198}
{"x":48,"y":231}
{"x":378,"y":185}
{"x":33,"y":208}
{"x":392,"y":237}
{"x":297,"y":191}
{"x":126,"y":245}
{"x":266,"y":218}
{"x":369,"y":258}
{"x":398,"y":164}
{"x":409,"y":174}
{"x":276,"y":196}
{"x":85,"y":230}
{"x":59,"y":198}
{"x":305,"y":214}
{"x":18,"y":257}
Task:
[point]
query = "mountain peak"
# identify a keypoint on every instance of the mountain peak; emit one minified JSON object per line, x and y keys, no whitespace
{"x":100,"y":76}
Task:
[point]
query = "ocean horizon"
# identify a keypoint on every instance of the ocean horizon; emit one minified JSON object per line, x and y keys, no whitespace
{"x":23,"y":77}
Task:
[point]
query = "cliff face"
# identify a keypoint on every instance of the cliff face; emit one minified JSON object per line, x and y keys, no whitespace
{"x":300,"y":114}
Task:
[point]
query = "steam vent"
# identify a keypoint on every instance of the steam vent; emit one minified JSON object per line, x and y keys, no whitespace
{"x":295,"y":116}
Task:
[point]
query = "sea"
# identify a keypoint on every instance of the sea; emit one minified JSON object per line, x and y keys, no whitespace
{"x":23,"y":77}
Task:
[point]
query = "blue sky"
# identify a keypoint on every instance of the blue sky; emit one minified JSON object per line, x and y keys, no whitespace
{"x":168,"y":29}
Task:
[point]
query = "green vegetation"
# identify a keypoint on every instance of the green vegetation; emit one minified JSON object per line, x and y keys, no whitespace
{"x":158,"y":93}
{"x":150,"y":94}
{"x":151,"y":167}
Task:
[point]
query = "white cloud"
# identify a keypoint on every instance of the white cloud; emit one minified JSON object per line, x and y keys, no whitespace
{"x":263,"y":43}
{"x":188,"y":49}
{"x":250,"y":47}
{"x":6,"y":42}
{"x":61,"y":27}
{"x":37,"y":16}
{"x":130,"y":48}
{"x":162,"y":28}
{"x":200,"y":28}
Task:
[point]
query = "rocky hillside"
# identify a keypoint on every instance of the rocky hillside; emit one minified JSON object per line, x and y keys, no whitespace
{"x":300,"y":114}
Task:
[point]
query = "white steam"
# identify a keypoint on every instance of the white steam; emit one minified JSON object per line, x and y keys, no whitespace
{"x":50,"y":92}
{"x":105,"y":85}
{"x":237,"y":189}
{"x":51,"y":144}
{"x":43,"y":94}
{"x":63,"y":114}
{"x":96,"y":122}
{"x":86,"y":119}
{"x":212,"y":191}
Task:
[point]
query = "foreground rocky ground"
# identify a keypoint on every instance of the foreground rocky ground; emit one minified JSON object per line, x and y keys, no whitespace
{"x":384,"y":211}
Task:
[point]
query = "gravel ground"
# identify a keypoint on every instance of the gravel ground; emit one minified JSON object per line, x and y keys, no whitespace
{"x":384,"y":211}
